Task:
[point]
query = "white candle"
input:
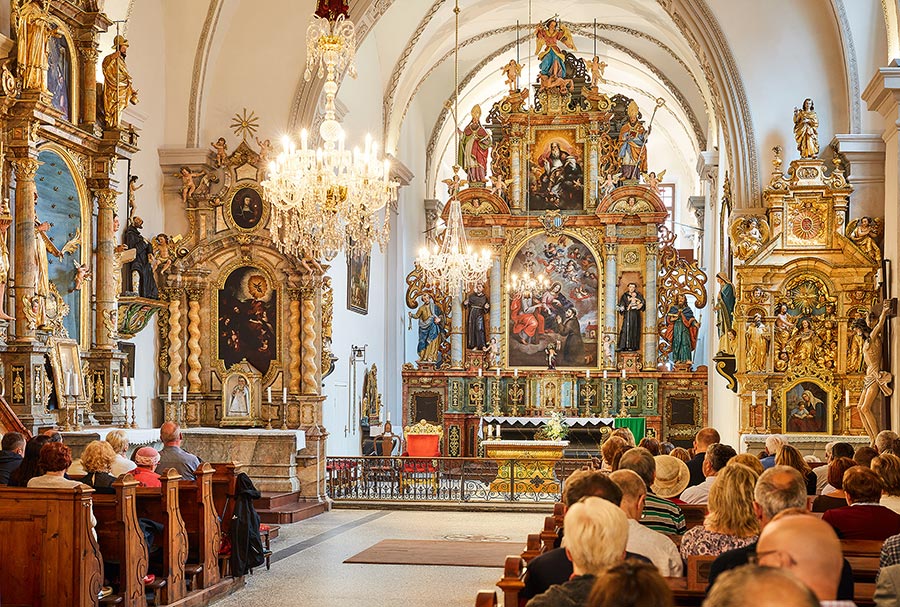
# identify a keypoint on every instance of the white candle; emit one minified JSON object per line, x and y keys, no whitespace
{"x":488,"y":429}
{"x":498,"y":372}
{"x":769,"y":398}
{"x":498,"y":432}
{"x":753,"y":399}
{"x":624,"y":374}
{"x":184,"y":394}
{"x":604,"y":374}
{"x":284,"y":395}
{"x":269,"y":394}
{"x":170,"y":394}
{"x":389,"y":416}
{"x":68,"y":384}
{"x":480,"y":371}
{"x":125,"y":389}
{"x":587,"y":374}
{"x":515,"y":373}
{"x":847,"y":398}
{"x":131,"y":382}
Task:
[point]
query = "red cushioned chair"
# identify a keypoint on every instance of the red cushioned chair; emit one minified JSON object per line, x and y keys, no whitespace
{"x":423,"y":440}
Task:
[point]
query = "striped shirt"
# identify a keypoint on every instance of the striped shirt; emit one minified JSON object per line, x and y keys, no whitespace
{"x":663,"y":515}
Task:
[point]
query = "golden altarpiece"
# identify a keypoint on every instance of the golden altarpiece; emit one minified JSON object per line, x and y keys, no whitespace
{"x":804,"y":274}
{"x":572,"y":217}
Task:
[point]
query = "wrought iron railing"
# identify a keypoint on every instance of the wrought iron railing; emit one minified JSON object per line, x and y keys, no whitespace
{"x":447,"y":479}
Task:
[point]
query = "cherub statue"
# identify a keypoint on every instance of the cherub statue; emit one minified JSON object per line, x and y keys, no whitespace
{"x":82,"y":273}
{"x":499,"y":186}
{"x":188,"y":187}
{"x":609,"y":184}
{"x":596,"y":68}
{"x":455,"y":183}
{"x":511,"y":70}
{"x":492,"y":352}
{"x":866,"y":233}
{"x":748,"y":235}
{"x":132,"y":188}
{"x":265,"y":151}
{"x":806,"y":129}
{"x":653,"y":180}
{"x":162,"y":256}
{"x":551,"y":351}
{"x":221,"y":149}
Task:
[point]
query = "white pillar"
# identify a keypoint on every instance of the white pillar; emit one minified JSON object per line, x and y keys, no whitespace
{"x":864,"y":152}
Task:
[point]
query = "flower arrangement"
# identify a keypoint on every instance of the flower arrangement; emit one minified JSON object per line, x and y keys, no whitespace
{"x":556,"y":428}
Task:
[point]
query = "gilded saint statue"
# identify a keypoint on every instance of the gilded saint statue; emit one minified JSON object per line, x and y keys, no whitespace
{"x":866,"y":233}
{"x":875,"y":380}
{"x":5,"y":222}
{"x":806,"y":129}
{"x":118,"y":90}
{"x":31,"y":22}
{"x":757,"y":345}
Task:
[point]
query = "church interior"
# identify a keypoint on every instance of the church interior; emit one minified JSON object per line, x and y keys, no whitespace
{"x":566,"y":230}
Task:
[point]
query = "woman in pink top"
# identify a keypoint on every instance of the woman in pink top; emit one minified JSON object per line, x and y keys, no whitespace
{"x":146,"y":459}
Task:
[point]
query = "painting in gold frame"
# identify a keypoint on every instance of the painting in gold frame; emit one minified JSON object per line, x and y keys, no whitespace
{"x":556,"y":171}
{"x":806,"y":407}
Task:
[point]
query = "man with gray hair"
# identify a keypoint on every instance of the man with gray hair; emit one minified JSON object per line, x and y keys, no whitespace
{"x":660,"y":514}
{"x":754,"y":586}
{"x":884,"y":440}
{"x":717,"y":457}
{"x":774,"y":443}
{"x":596,"y":535}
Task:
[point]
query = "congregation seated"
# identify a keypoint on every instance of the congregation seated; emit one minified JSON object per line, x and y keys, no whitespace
{"x":651,"y":445}
{"x":631,"y":584}
{"x":12,"y":449}
{"x":887,"y":467}
{"x":666,"y":448}
{"x":53,"y":461}
{"x":790,"y":456}
{"x":682,"y":454}
{"x":836,"y":498}
{"x":774,"y":443}
{"x":703,"y":439}
{"x":731,"y":522}
{"x":97,"y":459}
{"x":30,"y":466}
{"x":865,"y":455}
{"x":833,"y":451}
{"x":749,"y":460}
{"x":755,"y":586}
{"x":884,"y":440}
{"x":643,"y":540}
{"x":118,"y":440}
{"x":671,"y":478}
{"x":864,"y":518}
{"x":596,"y":535}
{"x":715,"y":458}
{"x":611,"y":450}
{"x":173,"y":456}
{"x":626,"y":435}
{"x":659,"y":514}
{"x":146,"y":459}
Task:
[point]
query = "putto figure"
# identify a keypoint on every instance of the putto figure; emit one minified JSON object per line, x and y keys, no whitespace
{"x":806,"y":129}
{"x":875,"y":380}
{"x":118,"y":90}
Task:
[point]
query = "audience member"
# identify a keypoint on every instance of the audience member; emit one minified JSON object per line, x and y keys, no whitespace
{"x":887,"y":587}
{"x":885,"y":440}
{"x":682,"y":454}
{"x":12,"y":449}
{"x":651,"y":544}
{"x":808,"y":548}
{"x":754,"y":586}
{"x":702,"y":441}
{"x":789,"y":456}
{"x":832,"y":452}
{"x":887,"y":467}
{"x":554,"y":567}
{"x":659,"y":514}
{"x":774,"y":442}
{"x":651,"y":445}
{"x":865,"y":455}
{"x":836,"y":498}
{"x":864,"y":518}
{"x":672,"y":477}
{"x":173,"y":456}
{"x":118,"y":440}
{"x":30,"y":466}
{"x":146,"y":459}
{"x":609,"y":448}
{"x":97,"y":459}
{"x":617,"y":457}
{"x":53,"y":434}
{"x":596,"y":535}
{"x":666,"y":448}
{"x":631,"y":584}
{"x":747,"y":459}
{"x":54,"y":460}
{"x":731,"y":522}
{"x":626,"y":435}
{"x":890,"y":552}
{"x":715,"y":458}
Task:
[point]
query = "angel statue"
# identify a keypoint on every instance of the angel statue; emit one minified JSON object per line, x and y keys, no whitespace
{"x":511,"y":70}
{"x":653,"y":180}
{"x":866,"y":232}
{"x":806,"y":129}
{"x":455,"y":183}
{"x":609,"y":184}
{"x":748,"y":235}
{"x":596,"y":67}
{"x":550,"y":35}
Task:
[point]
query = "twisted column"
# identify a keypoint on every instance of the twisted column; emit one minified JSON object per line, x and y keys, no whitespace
{"x":309,"y":351}
{"x":107,"y":305}
{"x":193,"y":345}
{"x":25,"y":262}
{"x":610,"y":317}
{"x":175,"y":359}
{"x":294,"y":341}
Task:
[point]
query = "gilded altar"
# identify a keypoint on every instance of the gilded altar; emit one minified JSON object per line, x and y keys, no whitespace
{"x":525,"y":466}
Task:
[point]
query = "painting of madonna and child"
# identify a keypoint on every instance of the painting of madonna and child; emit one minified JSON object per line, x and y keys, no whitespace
{"x":806,"y":408}
{"x":559,"y":316}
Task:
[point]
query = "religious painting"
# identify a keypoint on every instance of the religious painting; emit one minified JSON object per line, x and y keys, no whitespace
{"x":358,"y":265}
{"x":59,"y":74}
{"x":246,"y":208}
{"x":248,"y":317}
{"x":236,"y":396}
{"x":556,"y":171}
{"x":561,"y":312}
{"x":65,"y":360}
{"x":806,"y":408}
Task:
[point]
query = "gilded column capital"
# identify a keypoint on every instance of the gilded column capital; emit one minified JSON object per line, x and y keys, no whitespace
{"x":193,"y":293}
{"x":106,"y":198}
{"x":294,"y":294}
{"x":610,"y":248}
{"x":89,"y":52}
{"x":310,"y":287}
{"x":25,"y":168}
{"x":652,"y":248}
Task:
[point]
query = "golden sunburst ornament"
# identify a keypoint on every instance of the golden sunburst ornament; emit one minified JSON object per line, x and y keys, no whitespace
{"x":244,"y":125}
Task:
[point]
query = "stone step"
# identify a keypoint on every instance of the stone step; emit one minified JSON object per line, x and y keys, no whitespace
{"x":291,"y":513}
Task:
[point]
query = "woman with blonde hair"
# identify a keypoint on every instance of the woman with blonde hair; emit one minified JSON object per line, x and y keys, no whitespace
{"x":731,"y":522}
{"x":118,"y":440}
{"x":97,"y":459}
{"x":749,"y":460}
{"x":887,"y":467}
{"x":789,"y":456}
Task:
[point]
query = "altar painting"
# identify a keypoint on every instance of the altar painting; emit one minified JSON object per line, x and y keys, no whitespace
{"x":59,"y":74}
{"x":247,"y":319}
{"x":556,"y":171}
{"x":807,"y":408}
{"x":564,"y":314}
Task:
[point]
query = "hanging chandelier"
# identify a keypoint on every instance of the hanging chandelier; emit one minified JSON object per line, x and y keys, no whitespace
{"x":527,"y":282}
{"x":329,"y":199}
{"x":454,"y":266}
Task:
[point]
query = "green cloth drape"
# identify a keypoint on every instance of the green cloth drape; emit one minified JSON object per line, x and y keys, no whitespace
{"x":637,"y":425}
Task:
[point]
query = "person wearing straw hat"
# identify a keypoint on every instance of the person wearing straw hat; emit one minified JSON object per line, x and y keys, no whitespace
{"x":659,"y":514}
{"x":118,"y":90}
{"x":672,"y":477}
{"x":146,"y":459}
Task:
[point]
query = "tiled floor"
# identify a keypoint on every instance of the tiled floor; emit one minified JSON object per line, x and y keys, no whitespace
{"x":308,"y":569}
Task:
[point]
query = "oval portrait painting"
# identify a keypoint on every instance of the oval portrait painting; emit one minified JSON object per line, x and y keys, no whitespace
{"x":247,"y":208}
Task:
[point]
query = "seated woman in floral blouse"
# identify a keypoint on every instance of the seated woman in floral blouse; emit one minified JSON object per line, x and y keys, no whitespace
{"x":731,"y":522}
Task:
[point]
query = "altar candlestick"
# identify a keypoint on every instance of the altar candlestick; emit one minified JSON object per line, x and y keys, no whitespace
{"x":624,"y":374}
{"x":170,"y":394}
{"x":490,"y":430}
{"x":131,"y":382}
{"x":124,"y":389}
{"x":753,"y":399}
{"x":515,"y":373}
{"x":480,"y":372}
{"x":847,"y":398}
{"x":498,"y":432}
{"x":184,"y":394}
{"x":284,"y":395}
{"x":604,"y":375}
{"x":498,"y":372}
{"x":269,"y":394}
{"x":769,"y":398}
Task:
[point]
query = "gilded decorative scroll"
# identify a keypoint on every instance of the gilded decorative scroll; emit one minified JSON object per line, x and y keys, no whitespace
{"x":677,"y":276}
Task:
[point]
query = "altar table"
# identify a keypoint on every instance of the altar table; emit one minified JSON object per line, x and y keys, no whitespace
{"x":525,"y":466}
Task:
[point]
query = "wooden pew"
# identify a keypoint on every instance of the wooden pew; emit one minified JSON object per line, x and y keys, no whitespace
{"x":532,"y":547}
{"x":50,"y":555}
{"x":549,"y":534}
{"x":486,"y":598}
{"x":161,"y":505}
{"x":513,"y":580}
{"x":201,"y":524}
{"x":121,"y":540}
{"x":694,"y":514}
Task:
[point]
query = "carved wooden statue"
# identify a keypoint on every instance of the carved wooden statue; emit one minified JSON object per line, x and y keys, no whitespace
{"x":876,"y":380}
{"x":118,"y":90}
{"x":31,"y":20}
{"x":806,"y":129}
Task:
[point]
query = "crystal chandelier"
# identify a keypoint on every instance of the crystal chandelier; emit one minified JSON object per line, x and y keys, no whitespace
{"x":528,"y":282}
{"x":454,"y":266}
{"x":329,"y":199}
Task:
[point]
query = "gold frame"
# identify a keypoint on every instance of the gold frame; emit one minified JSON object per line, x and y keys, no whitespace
{"x":831,"y":393}
{"x":229,"y":198}
{"x":528,"y":147}
{"x":75,"y":84}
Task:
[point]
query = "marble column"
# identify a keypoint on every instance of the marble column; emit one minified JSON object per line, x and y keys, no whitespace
{"x":89,"y":54}
{"x":610,"y":316}
{"x":651,"y":336}
{"x":457,"y":347}
{"x":865,"y":153}
{"x":107,"y":306}
{"x":193,"y":344}
{"x":515,"y":169}
{"x":25,"y":270}
{"x":496,"y":300}
{"x":309,"y":361}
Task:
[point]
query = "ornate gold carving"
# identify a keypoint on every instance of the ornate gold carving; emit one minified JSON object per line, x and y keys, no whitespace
{"x":193,"y":361}
{"x":294,"y":341}
{"x":476,"y":397}
{"x":677,"y":277}
{"x":25,"y":168}
{"x":174,"y":319}
{"x":516,"y":396}
{"x":18,"y":384}
{"x":748,"y":234}
{"x":308,"y":346}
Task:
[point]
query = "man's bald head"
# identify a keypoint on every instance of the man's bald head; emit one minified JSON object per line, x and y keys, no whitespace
{"x":808,"y":547}
{"x":170,"y":433}
{"x":705,"y":438}
{"x":754,"y":586}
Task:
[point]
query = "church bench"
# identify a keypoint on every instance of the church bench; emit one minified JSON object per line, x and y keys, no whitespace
{"x":486,"y":598}
{"x":59,"y":562}
{"x":513,"y":580}
{"x":694,"y":514}
{"x":861,"y":547}
{"x":160,"y":504}
{"x":532,"y":547}
{"x":697,"y":571}
{"x":201,"y":524}
{"x":549,"y":534}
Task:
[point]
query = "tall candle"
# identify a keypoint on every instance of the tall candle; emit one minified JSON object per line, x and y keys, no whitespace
{"x":587,"y":374}
{"x":847,"y":398}
{"x":753,"y":399}
{"x":604,"y":374}
{"x":769,"y":398}
{"x":68,"y":386}
{"x":124,"y":389}
{"x":498,"y":372}
{"x":131,"y":382}
{"x":269,"y":394}
{"x":184,"y":394}
{"x":170,"y":394}
{"x":498,"y":432}
{"x":284,"y":395}
{"x":480,"y":372}
{"x":624,"y":375}
{"x":515,"y":373}
{"x":389,"y":416}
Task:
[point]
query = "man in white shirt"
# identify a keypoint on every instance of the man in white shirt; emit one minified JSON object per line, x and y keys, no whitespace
{"x":717,"y":456}
{"x":661,"y":551}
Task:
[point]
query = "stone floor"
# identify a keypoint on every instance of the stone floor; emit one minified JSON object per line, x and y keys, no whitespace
{"x":308,"y":569}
